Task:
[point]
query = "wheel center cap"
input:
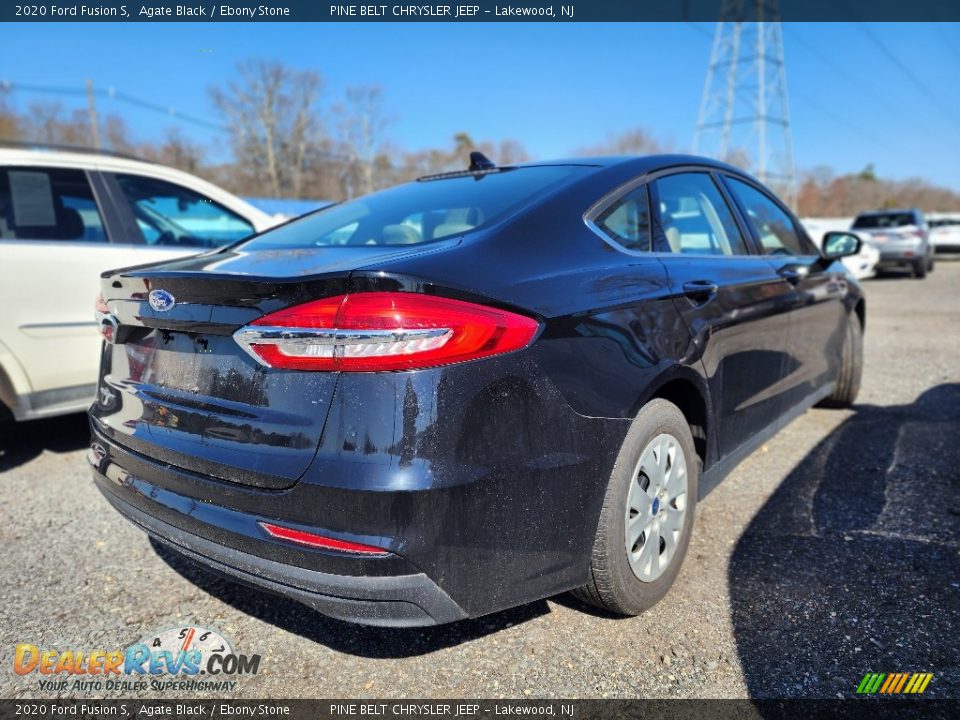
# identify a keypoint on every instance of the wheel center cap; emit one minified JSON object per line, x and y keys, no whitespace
{"x":655,"y":508}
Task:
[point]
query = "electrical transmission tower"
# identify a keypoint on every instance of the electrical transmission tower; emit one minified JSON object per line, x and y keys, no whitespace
{"x":744,"y":115}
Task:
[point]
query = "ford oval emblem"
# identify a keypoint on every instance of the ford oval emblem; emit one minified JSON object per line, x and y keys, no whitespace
{"x":161,"y":300}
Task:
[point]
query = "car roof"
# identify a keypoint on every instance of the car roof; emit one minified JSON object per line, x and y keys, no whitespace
{"x":92,"y":160}
{"x":74,"y":158}
{"x":642,"y":163}
{"x":889,"y":211}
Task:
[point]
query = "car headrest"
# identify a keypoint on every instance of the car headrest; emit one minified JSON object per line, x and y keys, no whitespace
{"x":70,"y":224}
{"x":400,"y":235}
{"x":453,"y":228}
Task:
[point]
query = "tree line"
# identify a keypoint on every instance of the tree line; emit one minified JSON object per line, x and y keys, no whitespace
{"x":288,"y":140}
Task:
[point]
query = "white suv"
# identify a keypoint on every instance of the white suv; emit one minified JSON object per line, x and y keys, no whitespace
{"x":66,"y":217}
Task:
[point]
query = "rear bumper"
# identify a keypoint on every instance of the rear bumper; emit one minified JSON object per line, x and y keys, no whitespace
{"x":900,"y":259}
{"x":902,"y":254}
{"x":459,"y":540}
{"x":398,"y":600}
{"x":483,"y":488}
{"x":384,"y":590}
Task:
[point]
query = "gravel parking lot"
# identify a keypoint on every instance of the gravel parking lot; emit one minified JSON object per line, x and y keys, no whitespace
{"x":832,"y":551}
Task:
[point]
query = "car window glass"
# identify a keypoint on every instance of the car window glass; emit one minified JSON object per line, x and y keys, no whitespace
{"x":884,"y":220}
{"x":694,"y":219}
{"x":170,"y":214}
{"x":776,"y":229}
{"x":429,"y":209}
{"x":48,"y":204}
{"x":627,"y":220}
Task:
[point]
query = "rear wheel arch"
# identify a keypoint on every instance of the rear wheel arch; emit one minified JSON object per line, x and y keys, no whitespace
{"x":861,"y":310}
{"x":14,"y":383}
{"x":8,"y":398}
{"x":689,"y":393}
{"x":617,"y":580}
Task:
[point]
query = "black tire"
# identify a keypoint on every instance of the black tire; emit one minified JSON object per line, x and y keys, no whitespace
{"x":851,"y":366}
{"x":613,"y":585}
{"x":920,"y":269}
{"x":8,"y":429}
{"x":930,"y":264}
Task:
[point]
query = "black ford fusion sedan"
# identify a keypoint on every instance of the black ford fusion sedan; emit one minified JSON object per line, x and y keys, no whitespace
{"x":471,"y":391}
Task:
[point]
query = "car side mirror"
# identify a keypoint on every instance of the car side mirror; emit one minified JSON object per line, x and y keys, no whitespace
{"x":838,"y":244}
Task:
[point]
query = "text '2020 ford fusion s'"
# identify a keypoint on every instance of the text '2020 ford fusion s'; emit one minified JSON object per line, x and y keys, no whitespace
{"x":470,"y":391}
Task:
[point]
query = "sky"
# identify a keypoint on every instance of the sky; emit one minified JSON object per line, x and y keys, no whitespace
{"x":878,"y":93}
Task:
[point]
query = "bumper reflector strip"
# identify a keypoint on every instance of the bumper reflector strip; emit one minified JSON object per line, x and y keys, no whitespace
{"x":319,"y":541}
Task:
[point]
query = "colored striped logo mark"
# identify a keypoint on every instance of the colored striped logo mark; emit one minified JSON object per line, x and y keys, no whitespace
{"x":893,"y":683}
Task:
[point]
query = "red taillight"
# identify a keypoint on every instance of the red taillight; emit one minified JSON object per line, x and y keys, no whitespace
{"x":379,"y":331}
{"x":319,"y":541}
{"x":105,"y":321}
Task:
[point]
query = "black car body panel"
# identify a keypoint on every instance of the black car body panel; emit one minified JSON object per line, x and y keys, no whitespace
{"x":482,"y":479}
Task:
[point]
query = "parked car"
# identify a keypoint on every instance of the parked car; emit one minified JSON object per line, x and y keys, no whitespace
{"x":944,"y":232}
{"x":66,"y":217}
{"x":863,"y":265}
{"x":902,"y":236}
{"x":287,"y":209}
{"x":507,"y":382}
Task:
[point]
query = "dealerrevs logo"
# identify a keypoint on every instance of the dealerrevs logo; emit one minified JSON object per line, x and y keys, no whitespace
{"x":169,"y":659}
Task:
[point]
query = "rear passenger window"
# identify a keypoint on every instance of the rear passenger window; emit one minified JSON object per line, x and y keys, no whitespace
{"x":776,"y":230}
{"x":627,"y":221}
{"x":48,"y":204}
{"x":694,"y":218}
{"x":169,"y":214}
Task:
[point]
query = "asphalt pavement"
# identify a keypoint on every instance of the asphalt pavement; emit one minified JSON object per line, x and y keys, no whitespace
{"x":830,"y":552}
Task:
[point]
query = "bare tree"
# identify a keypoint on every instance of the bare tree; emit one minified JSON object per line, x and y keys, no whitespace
{"x":511,"y":152}
{"x":631,"y":142}
{"x":49,"y":123}
{"x":10,"y":127}
{"x":176,"y":151}
{"x":272,"y":115}
{"x":116,"y":135}
{"x":361,"y":126}
{"x":435,"y":160}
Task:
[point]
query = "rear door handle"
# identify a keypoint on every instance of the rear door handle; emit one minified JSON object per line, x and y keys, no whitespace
{"x":700,"y":290}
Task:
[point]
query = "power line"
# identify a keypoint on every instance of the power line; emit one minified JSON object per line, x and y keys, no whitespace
{"x":113,"y":94}
{"x":858,"y":83}
{"x":835,"y":117}
{"x":744,"y":106}
{"x":921,"y":86}
{"x":864,"y":88}
{"x":860,"y":132}
{"x":949,"y":43}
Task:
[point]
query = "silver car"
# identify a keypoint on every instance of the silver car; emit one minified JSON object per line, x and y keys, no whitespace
{"x":901,"y":236}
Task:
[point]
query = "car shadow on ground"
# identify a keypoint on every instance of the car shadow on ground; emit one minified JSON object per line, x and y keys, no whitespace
{"x":345,"y":637}
{"x":853,"y":564}
{"x":22,"y":442}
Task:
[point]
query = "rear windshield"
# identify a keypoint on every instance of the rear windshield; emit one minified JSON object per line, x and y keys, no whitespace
{"x":885,"y":220}
{"x":944,"y":222}
{"x":421,"y":211}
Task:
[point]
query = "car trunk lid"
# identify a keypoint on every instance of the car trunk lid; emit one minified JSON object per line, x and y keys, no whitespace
{"x":177,"y":387}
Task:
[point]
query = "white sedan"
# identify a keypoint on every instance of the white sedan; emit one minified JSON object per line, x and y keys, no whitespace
{"x":862,"y":265}
{"x":66,"y":217}
{"x":944,"y":232}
